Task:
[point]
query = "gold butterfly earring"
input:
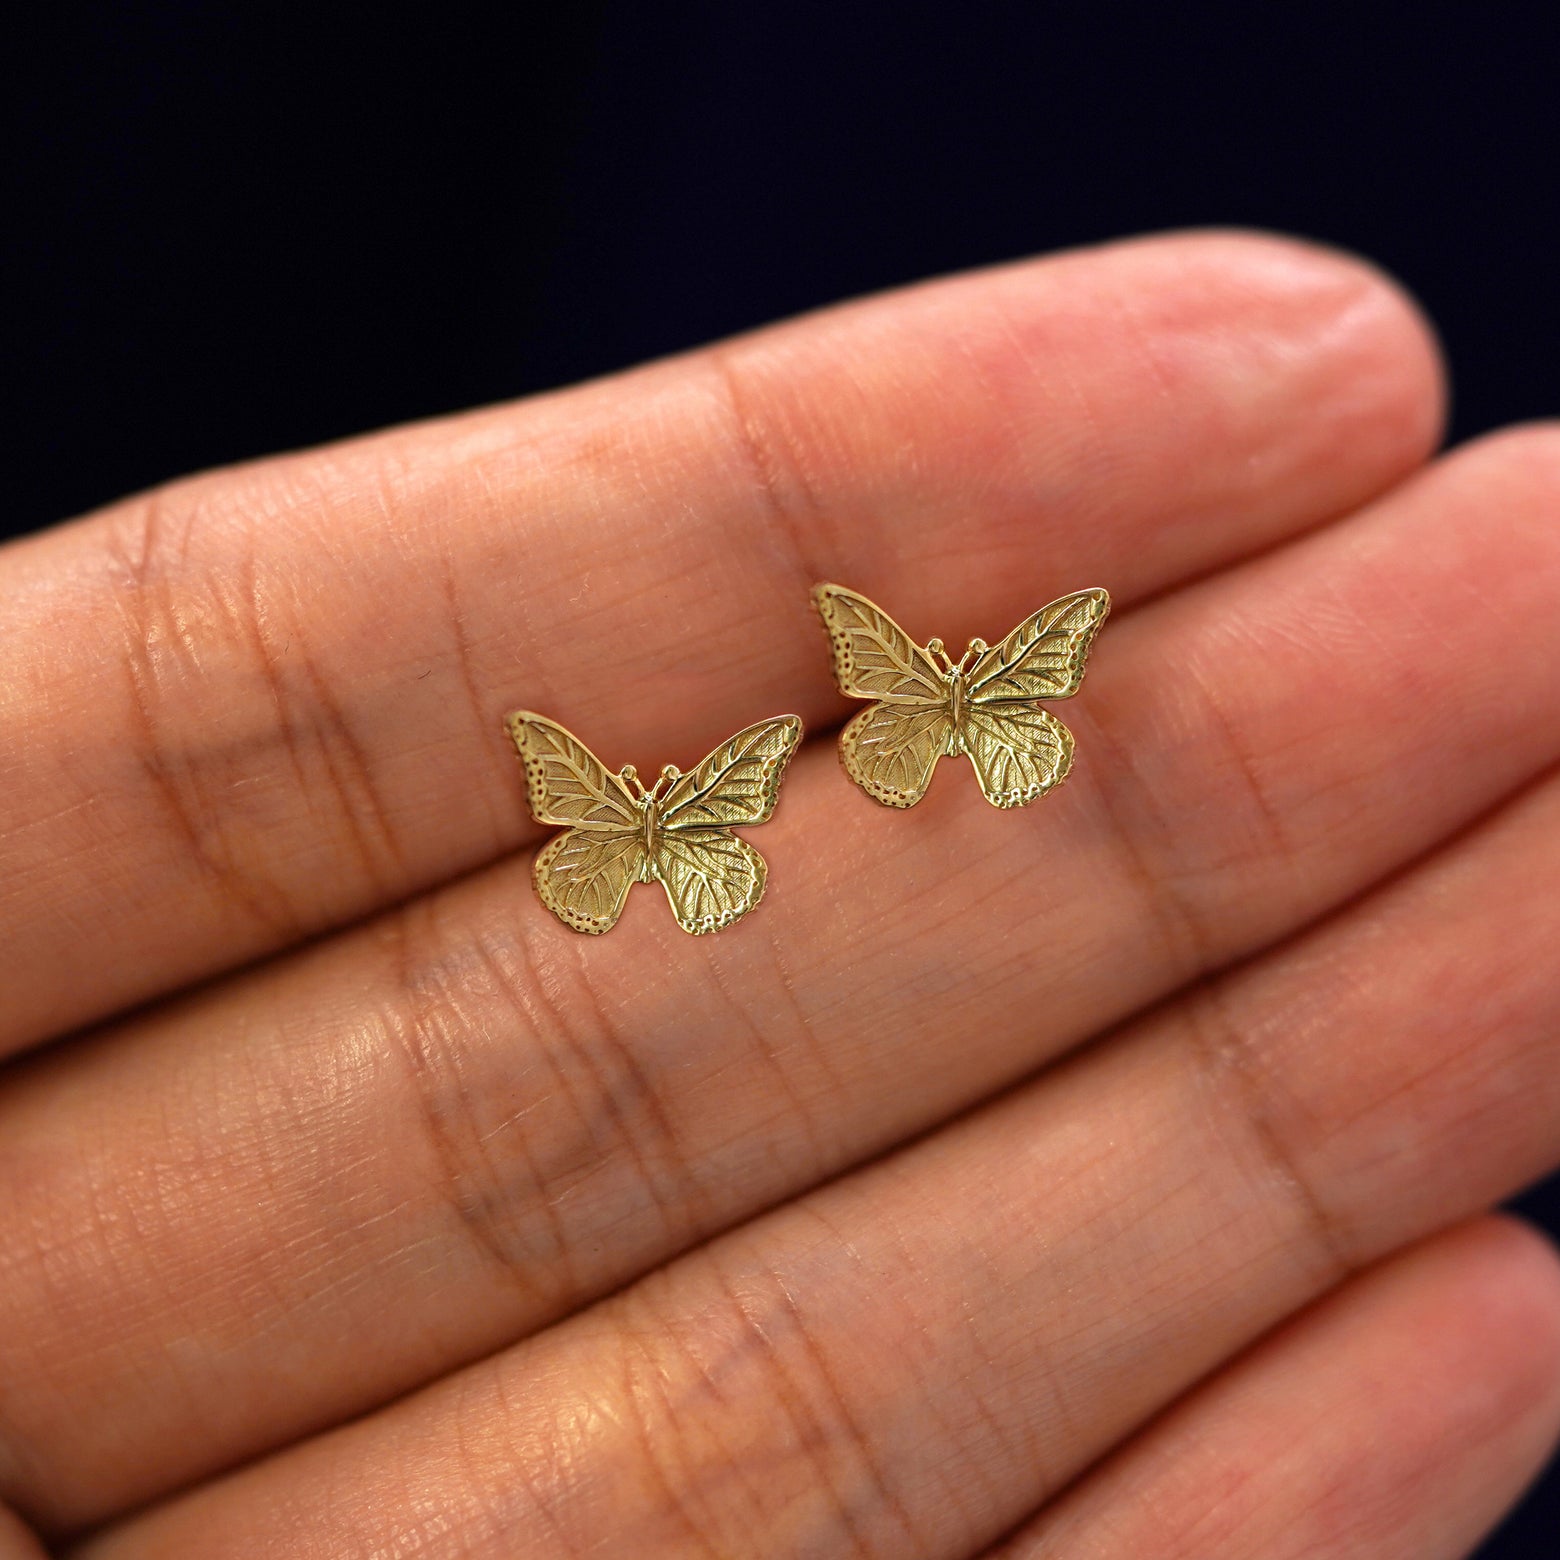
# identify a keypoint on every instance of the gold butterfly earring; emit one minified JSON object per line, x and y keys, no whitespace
{"x":983,"y":705}
{"x":618,"y":833}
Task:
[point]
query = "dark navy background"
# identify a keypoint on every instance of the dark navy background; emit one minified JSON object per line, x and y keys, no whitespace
{"x":237,"y":228}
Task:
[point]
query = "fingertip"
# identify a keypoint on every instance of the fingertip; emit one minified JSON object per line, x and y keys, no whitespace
{"x":1505,"y":1279}
{"x":1476,"y":1314}
{"x":1517,"y":466}
{"x":1308,"y":368}
{"x":1388,"y":368}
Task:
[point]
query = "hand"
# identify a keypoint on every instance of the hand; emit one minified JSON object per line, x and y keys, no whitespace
{"x":1087,"y":1181}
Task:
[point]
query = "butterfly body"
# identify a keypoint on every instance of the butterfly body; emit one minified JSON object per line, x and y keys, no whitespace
{"x":646,"y":803}
{"x":647,"y":875}
{"x":926,"y":706}
{"x":651,"y":834}
{"x":955,"y":713}
{"x":676,"y":833}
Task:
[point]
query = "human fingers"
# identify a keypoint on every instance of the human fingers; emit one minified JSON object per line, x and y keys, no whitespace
{"x":912,"y":1358}
{"x":478,"y":1114}
{"x":263,"y":702}
{"x":1398,"y":1419}
{"x":473,"y":1112}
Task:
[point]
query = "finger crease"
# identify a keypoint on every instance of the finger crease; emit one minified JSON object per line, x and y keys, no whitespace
{"x":771,"y":475}
{"x":352,"y":777}
{"x":625,"y":1063}
{"x":1186,"y":944}
{"x":1223,"y":1055}
{"x":1279,"y":842}
{"x":465,"y":670}
{"x":150,"y":620}
{"x":436,"y":1077}
{"x":813,"y":1432}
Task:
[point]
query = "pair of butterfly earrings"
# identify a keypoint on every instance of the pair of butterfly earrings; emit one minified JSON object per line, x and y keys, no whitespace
{"x":677,"y":832}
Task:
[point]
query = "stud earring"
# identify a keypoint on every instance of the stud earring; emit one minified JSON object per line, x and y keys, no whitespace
{"x":982,"y":705}
{"x":676,"y":833}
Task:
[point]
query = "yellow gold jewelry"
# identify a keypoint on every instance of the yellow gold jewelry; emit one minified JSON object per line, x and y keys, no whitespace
{"x":982,"y":705}
{"x":679,"y":837}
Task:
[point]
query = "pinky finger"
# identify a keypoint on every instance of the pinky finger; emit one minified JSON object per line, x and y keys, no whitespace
{"x":1397,"y":1420}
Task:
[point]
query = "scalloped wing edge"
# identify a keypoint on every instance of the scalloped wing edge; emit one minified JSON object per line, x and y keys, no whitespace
{"x":858,"y":771}
{"x":520,"y":724}
{"x":917,"y":664}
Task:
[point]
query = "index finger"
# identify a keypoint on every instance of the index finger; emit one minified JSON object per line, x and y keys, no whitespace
{"x":261,"y":703}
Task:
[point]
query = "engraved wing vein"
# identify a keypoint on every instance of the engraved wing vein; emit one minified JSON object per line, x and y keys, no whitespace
{"x":565,"y":782}
{"x":584,"y":876}
{"x":711,"y":877}
{"x":739,"y":783}
{"x":1044,"y":657}
{"x":1019,"y":752}
{"x":890,"y":750}
{"x":874,"y":658}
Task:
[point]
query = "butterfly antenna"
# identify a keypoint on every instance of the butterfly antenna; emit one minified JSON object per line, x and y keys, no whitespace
{"x":630,"y":776}
{"x":973,"y":652}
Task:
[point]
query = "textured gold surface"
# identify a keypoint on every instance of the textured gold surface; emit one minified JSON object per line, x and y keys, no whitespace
{"x":982,"y":705}
{"x":617,"y":833}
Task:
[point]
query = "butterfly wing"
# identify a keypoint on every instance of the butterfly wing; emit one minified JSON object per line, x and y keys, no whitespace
{"x":890,"y":750}
{"x":1019,"y":752}
{"x":710,"y":876}
{"x":565,"y":782}
{"x":874,"y":658}
{"x":1043,"y":658}
{"x":738,"y":783}
{"x":584,"y":875}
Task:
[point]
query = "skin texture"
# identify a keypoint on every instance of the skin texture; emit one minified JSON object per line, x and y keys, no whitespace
{"x":1390,"y":1422}
{"x":949,"y":1204}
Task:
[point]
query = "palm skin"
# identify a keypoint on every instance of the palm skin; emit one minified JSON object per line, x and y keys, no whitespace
{"x":1093,"y":1179}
